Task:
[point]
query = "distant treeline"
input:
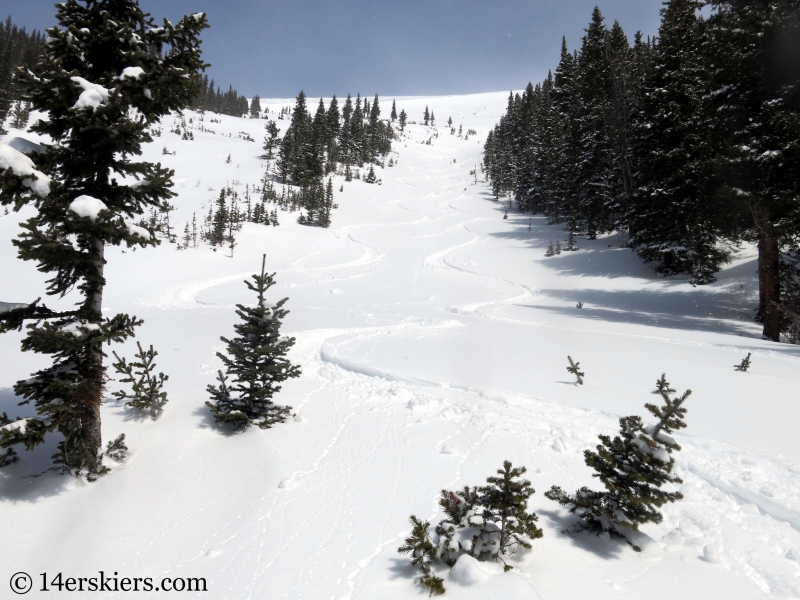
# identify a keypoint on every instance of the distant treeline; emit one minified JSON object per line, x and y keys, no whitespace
{"x":689,"y":143}
{"x":18,"y":48}
{"x":210,"y":97}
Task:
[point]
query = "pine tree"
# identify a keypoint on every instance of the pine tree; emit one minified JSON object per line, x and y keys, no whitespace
{"x":256,"y":360}
{"x":424,"y":554}
{"x":102,"y":85}
{"x":403,"y":118}
{"x":426,"y":117}
{"x":676,"y":213}
{"x":270,"y":138}
{"x":255,"y":107}
{"x":633,"y":467}
{"x":744,"y":365}
{"x":147,"y":393}
{"x":753,"y":114}
{"x":370,"y":176}
{"x":575,"y":369}
{"x":393,"y":114}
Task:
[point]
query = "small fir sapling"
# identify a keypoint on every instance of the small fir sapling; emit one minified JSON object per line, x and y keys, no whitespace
{"x":571,"y":245}
{"x":256,"y":361}
{"x":551,"y":251}
{"x":744,"y":365}
{"x":633,"y":467}
{"x":424,"y":554}
{"x":558,"y":247}
{"x":228,"y":160}
{"x":579,"y":305}
{"x":574,"y":368}
{"x":370,"y":177}
{"x":146,"y":389}
{"x":488,"y":523}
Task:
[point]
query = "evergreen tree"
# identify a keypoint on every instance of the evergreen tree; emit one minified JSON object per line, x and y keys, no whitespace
{"x":676,"y":212}
{"x":256,"y":361}
{"x":270,"y":138}
{"x":402,"y":121}
{"x":393,"y":114}
{"x":633,"y":467}
{"x":147,"y":393}
{"x":105,"y":76}
{"x":754,"y":115}
{"x":426,"y":117}
{"x":255,"y":107}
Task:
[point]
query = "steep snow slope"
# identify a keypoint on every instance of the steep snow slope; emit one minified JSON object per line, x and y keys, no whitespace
{"x":433,"y":337}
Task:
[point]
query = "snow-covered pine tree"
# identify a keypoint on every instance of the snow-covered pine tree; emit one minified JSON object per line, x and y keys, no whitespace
{"x":676,"y":213}
{"x":256,"y":361}
{"x":146,"y":385}
{"x":270,"y":138}
{"x":633,"y":467}
{"x":754,"y":109}
{"x":370,"y":176}
{"x":105,"y":75}
{"x":255,"y":107}
{"x":488,"y":523}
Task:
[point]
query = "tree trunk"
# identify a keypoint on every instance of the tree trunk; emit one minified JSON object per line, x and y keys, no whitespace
{"x":90,"y":421}
{"x":769,"y":286}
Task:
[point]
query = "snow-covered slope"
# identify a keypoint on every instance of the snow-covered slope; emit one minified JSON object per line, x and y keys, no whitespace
{"x":433,"y":337}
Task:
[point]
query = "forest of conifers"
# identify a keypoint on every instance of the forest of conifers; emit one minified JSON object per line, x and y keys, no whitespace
{"x":689,"y":143}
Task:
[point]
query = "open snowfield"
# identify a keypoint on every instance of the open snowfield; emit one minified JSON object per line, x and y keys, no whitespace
{"x":433,"y":337}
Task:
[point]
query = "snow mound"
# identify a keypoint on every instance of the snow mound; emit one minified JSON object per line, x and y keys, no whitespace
{"x":86,"y":206}
{"x":22,"y":166}
{"x":469,"y":571}
{"x":92,"y":96}
{"x":131,"y":73}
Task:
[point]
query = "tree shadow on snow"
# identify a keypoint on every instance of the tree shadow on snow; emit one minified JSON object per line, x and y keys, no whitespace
{"x":32,"y":477}
{"x":207,"y":421}
{"x":601,"y":546}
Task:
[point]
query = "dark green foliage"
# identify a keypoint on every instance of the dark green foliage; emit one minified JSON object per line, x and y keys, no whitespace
{"x":370,"y":176}
{"x":688,"y":142}
{"x":393,"y":115}
{"x":256,"y":362}
{"x":424,"y":554}
{"x":270,"y":138}
{"x":255,"y":107}
{"x":574,"y":368}
{"x":146,"y":385}
{"x":208,"y":96}
{"x":117,"y":450}
{"x":402,"y":120}
{"x":144,"y":72}
{"x":744,"y":365}
{"x":633,"y":467}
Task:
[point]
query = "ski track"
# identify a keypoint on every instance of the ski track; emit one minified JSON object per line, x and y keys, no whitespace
{"x":745,"y":504}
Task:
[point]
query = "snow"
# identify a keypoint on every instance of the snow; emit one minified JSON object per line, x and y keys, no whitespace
{"x":22,"y":166}
{"x":93,"y":94}
{"x":137,"y":230}
{"x":452,"y":332}
{"x":86,"y":206}
{"x":79,"y":328}
{"x":131,"y":73}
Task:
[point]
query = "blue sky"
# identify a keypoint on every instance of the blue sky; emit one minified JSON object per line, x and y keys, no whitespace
{"x":404,"y":47}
